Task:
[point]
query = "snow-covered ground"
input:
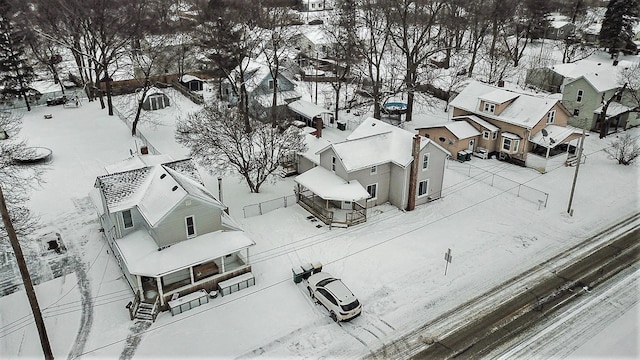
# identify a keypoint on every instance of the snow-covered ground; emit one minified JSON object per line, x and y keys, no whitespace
{"x":393,"y":263}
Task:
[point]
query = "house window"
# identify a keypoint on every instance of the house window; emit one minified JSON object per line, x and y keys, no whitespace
{"x":442,"y":139}
{"x":579,"y":96}
{"x":485,"y":135}
{"x":576,"y":112}
{"x":374,"y":170}
{"x":127,"y":219}
{"x":423,"y":188}
{"x":489,"y":107}
{"x":551,"y":116}
{"x":516,"y":145}
{"x":333,"y":163}
{"x":495,"y":135}
{"x":619,"y":96}
{"x":506,"y":144}
{"x":191,"y":226}
{"x":425,"y":161}
{"x":271,"y":84}
{"x":373,"y":191}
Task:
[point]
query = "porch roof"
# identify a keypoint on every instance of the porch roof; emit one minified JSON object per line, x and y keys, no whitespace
{"x":614,"y":109}
{"x":509,"y":135}
{"x":330,"y":186}
{"x":141,"y":255}
{"x":556,"y":135}
{"x":307,"y":109}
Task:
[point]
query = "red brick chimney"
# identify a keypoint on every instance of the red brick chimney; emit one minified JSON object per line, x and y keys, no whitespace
{"x":413,"y":173}
{"x":319,"y":124}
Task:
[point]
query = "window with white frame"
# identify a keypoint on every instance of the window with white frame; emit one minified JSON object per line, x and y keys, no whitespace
{"x":516,"y":145}
{"x":506,"y":144}
{"x":190,"y":224}
{"x":333,"y":163}
{"x":486,"y":134}
{"x":495,"y":135}
{"x":374,"y":170}
{"x":489,"y":107}
{"x":551,"y":116}
{"x":423,"y":188}
{"x":373,"y":191}
{"x":127,"y":219}
{"x":579,"y":95}
{"x":425,"y":161}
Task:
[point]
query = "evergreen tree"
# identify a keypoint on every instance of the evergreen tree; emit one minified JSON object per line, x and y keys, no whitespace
{"x":617,"y":26}
{"x":15,"y":71}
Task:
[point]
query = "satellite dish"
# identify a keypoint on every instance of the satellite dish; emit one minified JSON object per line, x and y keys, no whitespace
{"x":545,"y":133}
{"x":552,"y":141}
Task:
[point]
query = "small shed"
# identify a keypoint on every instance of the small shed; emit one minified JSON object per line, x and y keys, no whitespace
{"x":155,"y":99}
{"x":193,"y":83}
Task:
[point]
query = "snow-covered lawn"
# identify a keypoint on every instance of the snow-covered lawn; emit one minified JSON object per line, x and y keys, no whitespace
{"x":394,"y":263}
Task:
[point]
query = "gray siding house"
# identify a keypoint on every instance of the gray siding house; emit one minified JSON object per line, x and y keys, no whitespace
{"x":376,"y":164}
{"x":260,"y":85}
{"x":170,"y":236}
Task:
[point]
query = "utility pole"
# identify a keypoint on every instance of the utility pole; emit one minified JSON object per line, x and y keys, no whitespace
{"x":575,"y":175}
{"x":26,"y":279}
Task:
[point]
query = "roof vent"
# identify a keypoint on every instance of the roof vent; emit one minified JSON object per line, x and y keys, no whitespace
{"x":174,"y":188}
{"x":163,"y":176}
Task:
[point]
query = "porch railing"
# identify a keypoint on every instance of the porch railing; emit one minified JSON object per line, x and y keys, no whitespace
{"x":307,"y":202}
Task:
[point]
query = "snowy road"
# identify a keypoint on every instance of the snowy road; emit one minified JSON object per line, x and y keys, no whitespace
{"x":487,"y":321}
{"x":565,"y":333}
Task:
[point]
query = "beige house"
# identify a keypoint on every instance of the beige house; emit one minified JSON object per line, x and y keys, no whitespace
{"x":458,"y":137}
{"x":525,"y":129}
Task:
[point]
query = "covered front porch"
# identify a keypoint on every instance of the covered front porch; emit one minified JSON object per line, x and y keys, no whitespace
{"x":182,"y":268}
{"x":330,"y":198}
{"x":552,"y":147}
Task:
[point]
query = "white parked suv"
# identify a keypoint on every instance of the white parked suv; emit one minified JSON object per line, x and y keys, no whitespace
{"x":333,"y":295}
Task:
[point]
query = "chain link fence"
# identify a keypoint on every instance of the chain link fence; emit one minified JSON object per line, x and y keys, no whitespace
{"x":538,"y":197}
{"x":270,"y":205}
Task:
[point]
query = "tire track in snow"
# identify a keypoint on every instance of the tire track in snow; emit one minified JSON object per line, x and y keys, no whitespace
{"x":86,"y":317}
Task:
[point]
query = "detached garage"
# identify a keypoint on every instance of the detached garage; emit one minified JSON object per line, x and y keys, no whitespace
{"x":155,"y":99}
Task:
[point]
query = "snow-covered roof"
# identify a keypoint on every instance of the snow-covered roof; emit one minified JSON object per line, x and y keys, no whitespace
{"x":330,"y":186}
{"x":140,"y":251}
{"x":152,"y":91}
{"x":460,"y":129}
{"x":498,"y":96}
{"x":186,"y":78}
{"x":314,"y":145}
{"x":556,"y":135}
{"x":485,"y":124}
{"x":614,"y":109}
{"x":602,"y":74}
{"x":282,"y":98}
{"x":509,"y":135}
{"x":525,"y":110}
{"x":600,"y":82}
{"x":376,"y":142}
{"x":138,"y":162}
{"x":307,"y":109}
{"x":154,"y":190}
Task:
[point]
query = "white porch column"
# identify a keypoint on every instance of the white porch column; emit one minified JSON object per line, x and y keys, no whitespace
{"x":222,"y":262}
{"x":140,"y":289}
{"x":160,"y":290}
{"x":548,"y":150}
{"x":191,"y":275}
{"x":248,"y":262}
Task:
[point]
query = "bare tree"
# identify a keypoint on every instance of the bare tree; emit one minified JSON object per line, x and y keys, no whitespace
{"x":373,"y":46}
{"x":218,"y":141}
{"x":412,"y":32}
{"x":625,"y":149}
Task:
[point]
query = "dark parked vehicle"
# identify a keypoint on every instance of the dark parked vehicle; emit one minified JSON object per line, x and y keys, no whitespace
{"x":60,"y":100}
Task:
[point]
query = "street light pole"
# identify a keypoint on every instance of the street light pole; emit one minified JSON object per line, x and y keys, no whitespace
{"x":317,"y":63}
{"x":575,"y":175}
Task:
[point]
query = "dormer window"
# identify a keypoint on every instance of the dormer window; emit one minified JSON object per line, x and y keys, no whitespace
{"x":551,"y":116}
{"x":489,"y":107}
